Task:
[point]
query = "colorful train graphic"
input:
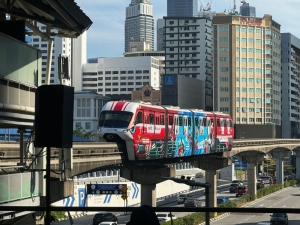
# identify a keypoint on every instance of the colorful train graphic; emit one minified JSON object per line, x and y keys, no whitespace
{"x":153,"y":132}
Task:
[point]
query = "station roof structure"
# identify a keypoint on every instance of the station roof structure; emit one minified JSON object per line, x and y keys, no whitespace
{"x":62,"y":15}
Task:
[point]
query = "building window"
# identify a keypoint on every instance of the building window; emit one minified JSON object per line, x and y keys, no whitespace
{"x":87,"y":125}
{"x":77,"y":125}
{"x":107,"y":72}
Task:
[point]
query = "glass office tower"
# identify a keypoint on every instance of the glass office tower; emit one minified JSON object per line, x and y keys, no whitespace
{"x":182,"y":8}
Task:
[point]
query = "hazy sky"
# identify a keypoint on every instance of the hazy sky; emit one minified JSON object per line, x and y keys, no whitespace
{"x":105,"y":38}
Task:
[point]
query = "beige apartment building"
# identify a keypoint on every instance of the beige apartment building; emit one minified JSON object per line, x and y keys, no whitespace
{"x":247,"y":68}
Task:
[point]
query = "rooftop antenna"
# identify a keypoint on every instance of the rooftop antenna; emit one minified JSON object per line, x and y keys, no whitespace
{"x":234,"y":7}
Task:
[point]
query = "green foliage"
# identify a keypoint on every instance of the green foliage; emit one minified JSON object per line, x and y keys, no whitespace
{"x":80,"y":132}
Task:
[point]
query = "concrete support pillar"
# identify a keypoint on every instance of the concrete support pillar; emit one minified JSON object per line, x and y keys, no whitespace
{"x":211,"y":178}
{"x":279,"y":170}
{"x":279,"y":155}
{"x":252,"y":178}
{"x":148,"y":194}
{"x":148,"y":178}
{"x":297,"y":153}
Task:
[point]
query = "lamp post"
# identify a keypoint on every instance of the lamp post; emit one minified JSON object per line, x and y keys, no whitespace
{"x":198,"y":184}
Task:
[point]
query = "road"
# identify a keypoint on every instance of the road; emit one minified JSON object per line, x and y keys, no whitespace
{"x":286,"y":198}
{"x":124,"y":218}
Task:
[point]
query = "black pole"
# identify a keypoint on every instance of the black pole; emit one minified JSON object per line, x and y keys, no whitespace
{"x":47,"y":218}
{"x":207,"y":219}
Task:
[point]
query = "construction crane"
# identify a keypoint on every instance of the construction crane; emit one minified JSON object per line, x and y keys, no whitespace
{"x":206,"y":8}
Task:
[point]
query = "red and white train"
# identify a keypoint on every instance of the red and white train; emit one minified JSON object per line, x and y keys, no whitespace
{"x":153,"y":132}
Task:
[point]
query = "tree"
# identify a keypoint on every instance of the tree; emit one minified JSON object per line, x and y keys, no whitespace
{"x":80,"y":132}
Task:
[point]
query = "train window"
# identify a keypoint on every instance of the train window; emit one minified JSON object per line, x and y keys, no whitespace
{"x":139,"y":118}
{"x":204,"y":122}
{"x":156,"y":120}
{"x":180,"y":121}
{"x":218,"y":122}
{"x":170,"y":120}
{"x":162,"y":119}
{"x":189,"y":121}
{"x":196,"y":121}
{"x":151,"y":119}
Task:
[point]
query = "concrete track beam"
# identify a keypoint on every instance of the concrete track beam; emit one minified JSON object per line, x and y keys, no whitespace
{"x":297,"y":153}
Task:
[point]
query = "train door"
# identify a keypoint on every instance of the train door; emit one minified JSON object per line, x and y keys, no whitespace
{"x":176,"y":125}
{"x":201,"y":125}
{"x":185,"y":126}
{"x":222,"y":128}
{"x":228,"y":126}
{"x":156,"y":124}
{"x":151,"y":125}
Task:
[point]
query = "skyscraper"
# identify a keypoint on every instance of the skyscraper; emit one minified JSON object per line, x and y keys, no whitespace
{"x":182,"y":8}
{"x":139,"y":23}
{"x":247,"y":68}
{"x":247,"y":10}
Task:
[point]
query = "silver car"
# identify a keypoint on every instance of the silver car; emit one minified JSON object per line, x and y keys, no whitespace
{"x":193,"y":202}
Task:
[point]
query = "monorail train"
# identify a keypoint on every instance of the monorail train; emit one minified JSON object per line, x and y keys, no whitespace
{"x":153,"y":132}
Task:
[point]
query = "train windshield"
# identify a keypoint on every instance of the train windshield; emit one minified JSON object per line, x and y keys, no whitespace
{"x":114,"y":119}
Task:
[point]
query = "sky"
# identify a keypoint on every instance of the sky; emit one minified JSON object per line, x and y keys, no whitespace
{"x":105,"y":37}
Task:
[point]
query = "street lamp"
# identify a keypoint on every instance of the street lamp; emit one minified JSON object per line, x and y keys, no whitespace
{"x":193,"y":183}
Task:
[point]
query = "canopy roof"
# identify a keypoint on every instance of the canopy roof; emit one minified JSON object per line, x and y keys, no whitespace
{"x":63,"y":15}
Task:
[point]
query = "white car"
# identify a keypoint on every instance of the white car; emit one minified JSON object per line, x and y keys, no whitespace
{"x":108,"y":223}
{"x":164,"y":217}
{"x":239,"y":182}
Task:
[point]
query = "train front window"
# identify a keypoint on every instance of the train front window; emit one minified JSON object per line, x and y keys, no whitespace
{"x":115,"y":119}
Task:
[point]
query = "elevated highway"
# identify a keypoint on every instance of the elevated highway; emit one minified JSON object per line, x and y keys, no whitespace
{"x":92,"y":155}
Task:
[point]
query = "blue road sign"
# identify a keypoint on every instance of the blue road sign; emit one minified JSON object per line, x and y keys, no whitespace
{"x":117,"y":189}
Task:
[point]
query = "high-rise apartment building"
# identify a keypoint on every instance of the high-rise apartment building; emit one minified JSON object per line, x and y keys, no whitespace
{"x":247,"y":68}
{"x":189,"y":50}
{"x":182,"y":8}
{"x":290,"y":48}
{"x":139,"y":23}
{"x":247,"y":10}
{"x":74,"y":48}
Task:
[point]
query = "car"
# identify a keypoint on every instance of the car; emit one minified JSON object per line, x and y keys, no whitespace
{"x":232,"y":187}
{"x":241,"y":190}
{"x":164,"y":217}
{"x":182,"y":197}
{"x":267,"y":179}
{"x":104,"y":217}
{"x":279,"y":218}
{"x":239,"y":182}
{"x":259,"y":183}
{"x":108,"y":223}
{"x":193,"y":202}
{"x":222,"y":199}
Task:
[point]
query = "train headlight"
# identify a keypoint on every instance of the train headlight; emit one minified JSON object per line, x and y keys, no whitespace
{"x":99,"y":130}
{"x":124,"y":131}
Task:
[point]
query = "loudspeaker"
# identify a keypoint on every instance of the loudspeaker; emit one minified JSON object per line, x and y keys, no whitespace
{"x":54,"y":106}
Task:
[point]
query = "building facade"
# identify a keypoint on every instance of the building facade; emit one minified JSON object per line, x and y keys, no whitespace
{"x":247,"y":68}
{"x":141,"y":48}
{"x":247,"y":10}
{"x":290,"y":48}
{"x":182,"y":8}
{"x":147,"y":94}
{"x":117,"y":77}
{"x":182,"y":91}
{"x":189,"y":50}
{"x":139,"y":23}
{"x":87,"y":109}
{"x":160,"y":35}
{"x":73,"y":48}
